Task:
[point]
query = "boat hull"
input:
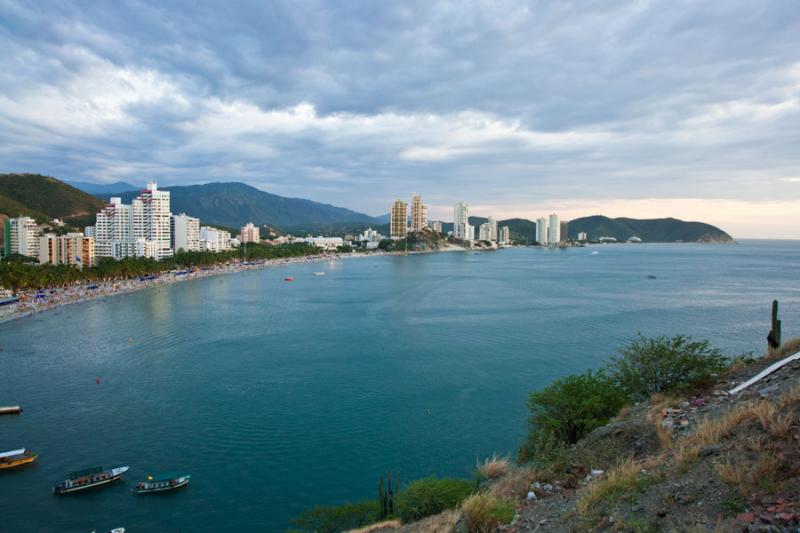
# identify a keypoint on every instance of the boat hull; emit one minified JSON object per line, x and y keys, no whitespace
{"x":163,"y":489}
{"x":18,"y":462}
{"x":88,"y":486}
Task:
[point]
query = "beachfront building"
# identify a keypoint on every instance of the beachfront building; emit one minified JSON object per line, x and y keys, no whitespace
{"x":214,"y":239}
{"x":505,"y":235}
{"x":370,"y":239}
{"x":541,"y":230}
{"x":326,"y":243}
{"x":142,"y":228}
{"x":398,"y":222}
{"x":249,"y":233}
{"x":492,"y":229}
{"x":461,"y":221}
{"x":582,"y":236}
{"x":21,"y":237}
{"x":483,"y":232}
{"x":553,"y":230}
{"x":184,"y":233}
{"x":419,"y":214}
{"x":564,"y":232}
{"x":437,"y":226}
{"x":71,"y":249}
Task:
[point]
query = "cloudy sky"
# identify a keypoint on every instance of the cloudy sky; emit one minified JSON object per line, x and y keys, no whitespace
{"x":645,"y":109}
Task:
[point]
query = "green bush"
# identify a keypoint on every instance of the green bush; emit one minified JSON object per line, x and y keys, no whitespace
{"x":663,"y":364}
{"x":572,"y":406}
{"x":431,"y":496}
{"x":332,"y":519}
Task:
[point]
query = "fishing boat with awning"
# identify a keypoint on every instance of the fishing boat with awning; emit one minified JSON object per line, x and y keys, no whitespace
{"x":89,"y":478}
{"x":162,"y":483}
{"x":16,"y":458}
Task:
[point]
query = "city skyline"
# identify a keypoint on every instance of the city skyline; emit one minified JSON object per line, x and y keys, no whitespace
{"x":578,"y":109}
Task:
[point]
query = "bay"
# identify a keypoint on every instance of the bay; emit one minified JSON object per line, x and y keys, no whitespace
{"x":277,"y":396}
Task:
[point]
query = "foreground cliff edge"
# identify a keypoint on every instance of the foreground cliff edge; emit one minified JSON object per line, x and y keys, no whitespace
{"x":723,"y":457}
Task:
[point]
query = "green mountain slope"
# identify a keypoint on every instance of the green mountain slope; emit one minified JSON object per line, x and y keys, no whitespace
{"x":235,"y":204}
{"x":649,"y":230}
{"x":44,"y":197}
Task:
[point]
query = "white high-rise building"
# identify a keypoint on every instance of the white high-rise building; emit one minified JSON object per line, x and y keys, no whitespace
{"x":437,"y":226}
{"x":541,"y":231}
{"x":249,"y":233}
{"x":419,"y":214}
{"x":461,"y":221}
{"x":492,"y":229}
{"x":22,"y":237}
{"x":214,"y":240}
{"x":185,"y":232}
{"x":469,"y":233}
{"x":553,"y":230}
{"x":505,"y":235}
{"x":140,"y":229}
{"x":483,"y":232}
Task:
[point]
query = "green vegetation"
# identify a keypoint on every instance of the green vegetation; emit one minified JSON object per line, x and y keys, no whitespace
{"x":333,"y":519}
{"x":652,"y":230}
{"x":662,"y":364}
{"x":431,"y":496}
{"x":43,"y":197}
{"x":569,"y":408}
{"x":17,"y":275}
{"x":386,"y":497}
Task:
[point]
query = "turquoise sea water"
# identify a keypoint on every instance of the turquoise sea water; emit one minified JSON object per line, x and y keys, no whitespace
{"x":277,"y":396}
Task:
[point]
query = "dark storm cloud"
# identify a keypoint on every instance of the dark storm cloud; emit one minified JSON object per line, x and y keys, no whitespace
{"x":355,"y":103}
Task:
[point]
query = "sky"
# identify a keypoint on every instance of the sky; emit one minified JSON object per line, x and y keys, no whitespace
{"x":644,"y":109}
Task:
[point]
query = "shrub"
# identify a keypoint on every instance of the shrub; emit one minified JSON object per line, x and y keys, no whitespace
{"x":431,"y":496}
{"x":572,"y":406}
{"x":485,"y":512}
{"x":492,"y":467}
{"x":663,"y":364}
{"x":331,"y":519}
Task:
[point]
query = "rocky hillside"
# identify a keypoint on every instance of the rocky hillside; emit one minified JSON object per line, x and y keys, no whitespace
{"x":709,"y":461}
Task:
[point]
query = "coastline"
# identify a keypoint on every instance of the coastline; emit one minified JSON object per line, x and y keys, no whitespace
{"x":57,"y":297}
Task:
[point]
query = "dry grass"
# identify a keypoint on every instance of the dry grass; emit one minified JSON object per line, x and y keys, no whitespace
{"x":516,"y":483}
{"x":441,"y":523}
{"x":388,"y":524}
{"x":493,"y":467}
{"x":484,"y":512}
{"x":786,"y":349}
{"x":627,"y":476}
{"x":745,"y":475}
{"x":710,"y":432}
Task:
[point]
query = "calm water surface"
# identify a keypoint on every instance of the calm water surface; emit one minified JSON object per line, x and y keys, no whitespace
{"x":276,"y":396}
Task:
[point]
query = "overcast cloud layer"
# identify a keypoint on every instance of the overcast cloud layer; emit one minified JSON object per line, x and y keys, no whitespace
{"x":689,"y":109}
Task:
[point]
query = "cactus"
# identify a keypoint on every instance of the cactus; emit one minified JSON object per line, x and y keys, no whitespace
{"x":774,"y":337}
{"x":386,"y":496}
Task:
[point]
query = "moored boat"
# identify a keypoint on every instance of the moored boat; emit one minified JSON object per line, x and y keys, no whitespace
{"x":16,"y":458}
{"x":89,"y":478}
{"x":162,"y":483}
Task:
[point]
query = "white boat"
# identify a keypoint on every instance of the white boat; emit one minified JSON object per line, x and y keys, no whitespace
{"x":89,"y":478}
{"x":319,"y":273}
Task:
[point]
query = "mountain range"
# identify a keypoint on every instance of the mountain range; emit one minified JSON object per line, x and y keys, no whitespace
{"x":231,"y":205}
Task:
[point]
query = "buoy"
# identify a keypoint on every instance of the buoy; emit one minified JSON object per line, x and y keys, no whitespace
{"x":130,"y":340}
{"x":97,"y":380}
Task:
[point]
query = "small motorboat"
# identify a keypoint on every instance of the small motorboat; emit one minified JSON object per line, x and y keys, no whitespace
{"x":319,"y":273}
{"x":288,"y":278}
{"x":89,"y":478}
{"x":650,"y":276}
{"x":16,"y":458}
{"x":163,"y":483}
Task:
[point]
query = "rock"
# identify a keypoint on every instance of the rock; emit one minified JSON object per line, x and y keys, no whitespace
{"x":684,"y":405}
{"x":531,"y":495}
{"x":713,"y":449}
{"x":536,"y":485}
{"x":768,"y":391}
{"x":547,"y":487}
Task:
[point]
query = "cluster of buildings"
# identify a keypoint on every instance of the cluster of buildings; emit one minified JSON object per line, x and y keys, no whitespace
{"x":144,"y":228}
{"x":401,"y":224}
{"x":550,"y":231}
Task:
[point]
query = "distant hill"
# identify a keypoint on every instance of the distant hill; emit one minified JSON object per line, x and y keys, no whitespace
{"x":235,"y":204}
{"x":649,"y":230}
{"x":102,"y":188}
{"x":45,"y":198}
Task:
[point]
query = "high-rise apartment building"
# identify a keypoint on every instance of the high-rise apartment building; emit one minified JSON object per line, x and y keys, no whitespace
{"x":185,"y":233}
{"x":437,"y":226}
{"x":249,"y":233}
{"x":505,"y":235}
{"x":419,"y":214}
{"x":71,"y":249}
{"x":564,"y":235}
{"x":214,"y":240}
{"x":542,"y":231}
{"x":492,"y":229}
{"x":461,"y":221}
{"x":483,"y":232}
{"x":22,"y":237}
{"x":553,"y":230}
{"x":399,"y":220}
{"x":142,"y":228}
